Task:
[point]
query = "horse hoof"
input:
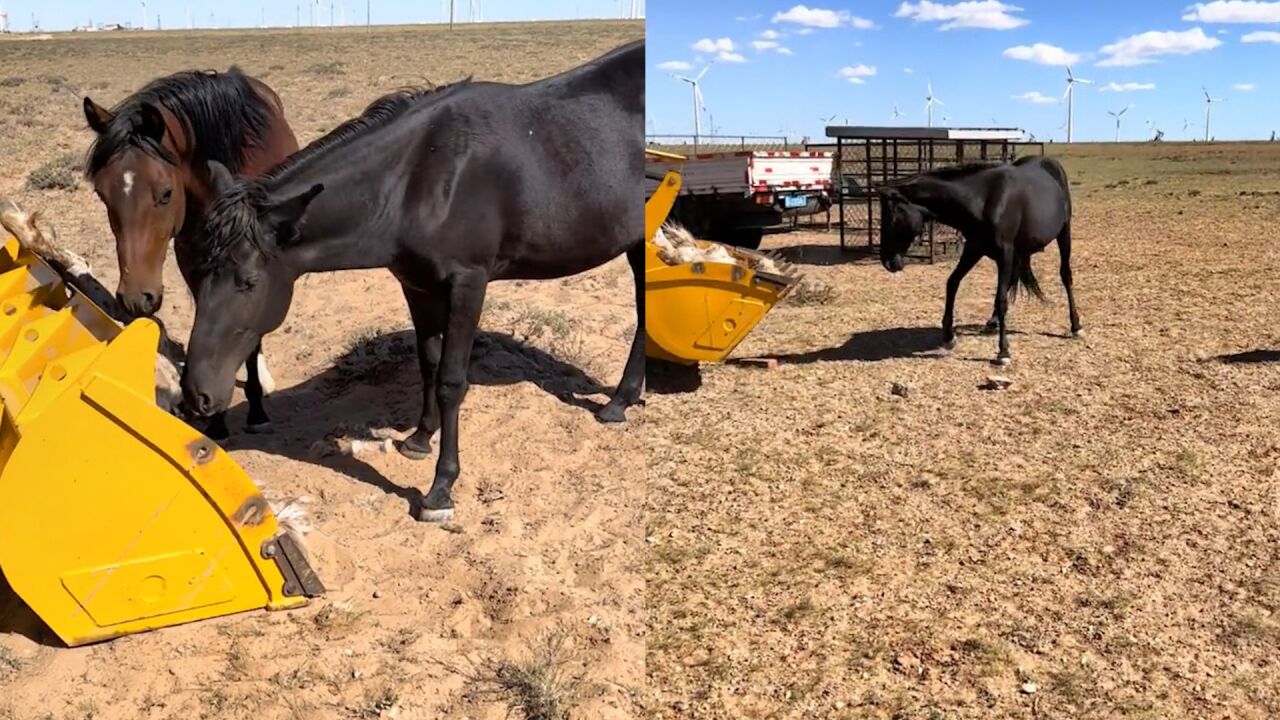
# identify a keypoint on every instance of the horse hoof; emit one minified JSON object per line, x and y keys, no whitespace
{"x":1003,"y":362}
{"x":612,"y":414}
{"x":1078,"y":334}
{"x":413,"y":453}
{"x":436,"y":517}
{"x":948,"y":345}
{"x":262,"y":428}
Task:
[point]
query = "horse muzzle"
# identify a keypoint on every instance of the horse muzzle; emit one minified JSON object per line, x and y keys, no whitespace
{"x":140,"y":304}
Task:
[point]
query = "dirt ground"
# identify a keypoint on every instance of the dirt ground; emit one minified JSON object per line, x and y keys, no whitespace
{"x":1099,"y":540}
{"x":549,"y":532}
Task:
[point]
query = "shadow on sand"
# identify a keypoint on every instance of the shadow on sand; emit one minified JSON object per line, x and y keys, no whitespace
{"x":1250,"y":357}
{"x":376,"y":383}
{"x":876,"y":345}
{"x":827,"y":255}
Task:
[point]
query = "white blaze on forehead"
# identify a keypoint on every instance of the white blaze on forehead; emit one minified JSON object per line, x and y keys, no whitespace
{"x":128,"y":183}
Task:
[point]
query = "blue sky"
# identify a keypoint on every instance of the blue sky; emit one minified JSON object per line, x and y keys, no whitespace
{"x":65,"y":14}
{"x":779,"y":65}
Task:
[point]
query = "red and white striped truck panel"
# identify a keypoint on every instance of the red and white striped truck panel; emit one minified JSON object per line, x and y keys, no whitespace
{"x":748,"y":172}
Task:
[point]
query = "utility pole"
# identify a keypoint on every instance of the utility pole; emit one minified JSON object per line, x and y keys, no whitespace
{"x":453,"y":11}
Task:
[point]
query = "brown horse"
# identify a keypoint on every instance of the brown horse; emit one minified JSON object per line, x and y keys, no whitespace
{"x":149,"y":166}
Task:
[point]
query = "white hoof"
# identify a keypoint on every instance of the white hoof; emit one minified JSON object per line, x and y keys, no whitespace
{"x":1078,"y":334}
{"x":1003,"y":362}
{"x":264,"y":376}
{"x":435,"y":516}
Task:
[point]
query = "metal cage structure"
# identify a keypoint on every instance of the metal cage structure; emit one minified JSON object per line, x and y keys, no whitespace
{"x":866,"y":157}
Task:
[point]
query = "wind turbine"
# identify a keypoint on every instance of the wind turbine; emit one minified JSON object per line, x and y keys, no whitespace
{"x":1117,"y":116}
{"x":896,"y":112}
{"x":698,"y":104}
{"x":929,"y":102}
{"x":144,"y":14}
{"x":1208,"y":105}
{"x":1069,"y":96}
{"x":1186,"y":124}
{"x":945,"y":119}
{"x":826,"y":120}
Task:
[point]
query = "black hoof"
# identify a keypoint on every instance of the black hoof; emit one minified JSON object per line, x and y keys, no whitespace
{"x":948,"y":345}
{"x":259,"y":428}
{"x":417,"y":447}
{"x":436,"y":507}
{"x":990,"y":328}
{"x":612,"y":413}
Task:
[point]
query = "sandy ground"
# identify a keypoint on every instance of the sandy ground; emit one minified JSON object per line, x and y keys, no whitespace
{"x":549,"y":537}
{"x":1097,"y":541}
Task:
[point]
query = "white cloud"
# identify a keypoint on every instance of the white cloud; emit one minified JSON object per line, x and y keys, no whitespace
{"x":1035,"y":97}
{"x":804,"y":31}
{"x":731,"y":57}
{"x":770,"y":34}
{"x":1261,"y":36}
{"x":767,"y":45}
{"x":1234,"y":11}
{"x":748,"y":18}
{"x":857,"y":74}
{"x":812,"y":17}
{"x":1146,"y":47}
{"x":1245,"y":87}
{"x":1126,"y":87}
{"x":674,"y":65}
{"x":907,"y":70}
{"x":821,"y":18}
{"x":989,"y":14}
{"x":707,"y":45}
{"x":1042,"y":54}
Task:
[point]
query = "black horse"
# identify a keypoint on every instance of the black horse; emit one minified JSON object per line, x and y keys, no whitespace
{"x":449,"y":188}
{"x":1005,"y":211}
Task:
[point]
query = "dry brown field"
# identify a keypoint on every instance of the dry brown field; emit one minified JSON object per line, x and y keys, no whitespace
{"x":1099,"y":540}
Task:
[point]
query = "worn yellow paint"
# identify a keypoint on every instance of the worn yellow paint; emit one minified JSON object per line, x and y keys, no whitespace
{"x":115,"y":516}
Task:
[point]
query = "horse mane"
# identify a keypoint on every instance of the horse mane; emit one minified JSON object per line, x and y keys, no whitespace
{"x":220,"y":113}
{"x":378,"y":114}
{"x":232,"y":219}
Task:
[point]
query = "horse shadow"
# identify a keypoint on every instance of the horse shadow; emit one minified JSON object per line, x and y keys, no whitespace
{"x":18,"y":619}
{"x":877,"y":345}
{"x":1249,"y":357}
{"x":376,"y":383}
{"x":826,"y":255}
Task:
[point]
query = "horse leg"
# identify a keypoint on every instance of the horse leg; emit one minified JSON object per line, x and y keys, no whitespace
{"x":466,"y":300}
{"x":968,"y":259}
{"x":258,"y":421}
{"x":1064,"y":250}
{"x":631,"y":387}
{"x":427,"y":325}
{"x":1004,"y":272}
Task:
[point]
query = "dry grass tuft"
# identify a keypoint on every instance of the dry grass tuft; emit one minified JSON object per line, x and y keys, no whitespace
{"x":538,"y":687}
{"x":61,"y":173}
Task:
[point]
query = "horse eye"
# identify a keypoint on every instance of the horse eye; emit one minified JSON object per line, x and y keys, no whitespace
{"x":246,"y":283}
{"x":166,"y":196}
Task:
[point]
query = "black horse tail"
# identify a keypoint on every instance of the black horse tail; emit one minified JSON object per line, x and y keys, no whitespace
{"x":1024,"y":276}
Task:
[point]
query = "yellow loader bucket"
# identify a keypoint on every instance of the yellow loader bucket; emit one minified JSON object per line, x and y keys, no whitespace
{"x":115,"y":516}
{"x":699,"y":311}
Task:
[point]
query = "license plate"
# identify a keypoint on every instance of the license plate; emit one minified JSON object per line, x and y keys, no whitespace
{"x":794,"y":201}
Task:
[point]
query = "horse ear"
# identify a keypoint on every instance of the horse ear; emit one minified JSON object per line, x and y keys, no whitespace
{"x":220,"y":177}
{"x":290,"y":210}
{"x":151,"y":123}
{"x":99,"y":117}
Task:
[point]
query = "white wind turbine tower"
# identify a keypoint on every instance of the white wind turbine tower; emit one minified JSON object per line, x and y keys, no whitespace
{"x":1117,"y":116}
{"x":929,"y":102}
{"x":1208,"y":105}
{"x":1069,"y":96}
{"x":698,"y":104}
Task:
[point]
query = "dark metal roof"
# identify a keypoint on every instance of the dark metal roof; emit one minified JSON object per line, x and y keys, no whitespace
{"x":865,"y":132}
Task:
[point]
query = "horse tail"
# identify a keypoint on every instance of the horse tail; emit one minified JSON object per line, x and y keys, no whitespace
{"x":1025,"y":276}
